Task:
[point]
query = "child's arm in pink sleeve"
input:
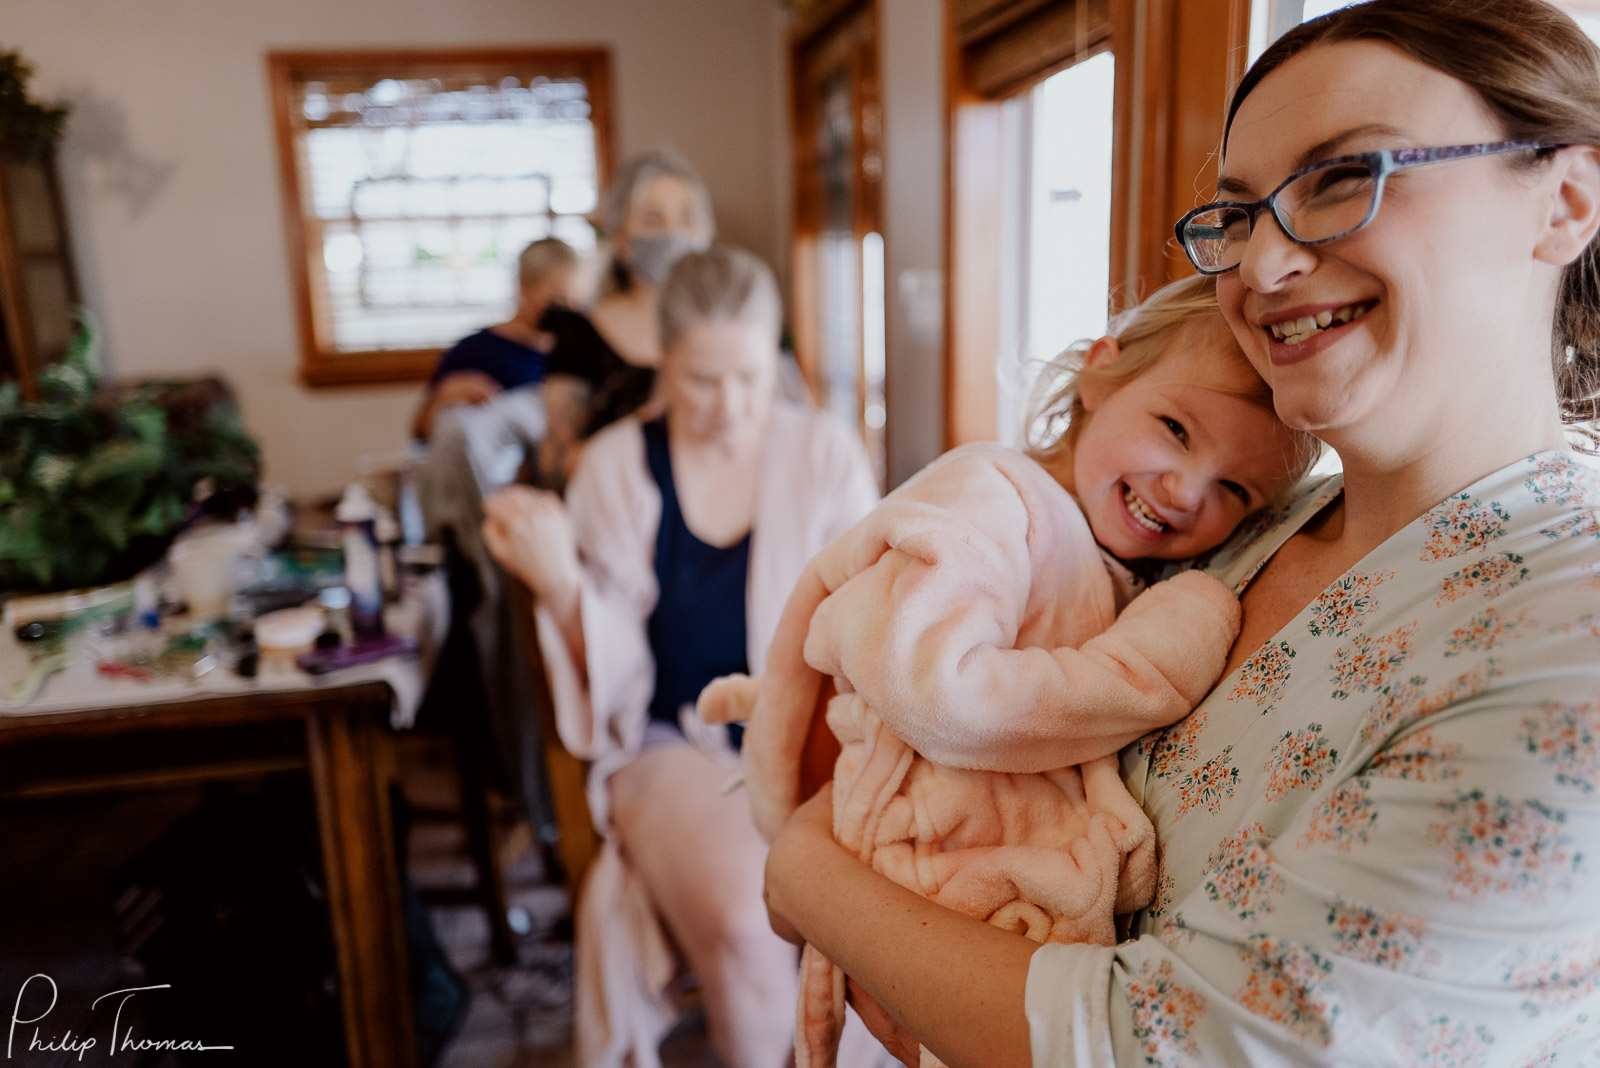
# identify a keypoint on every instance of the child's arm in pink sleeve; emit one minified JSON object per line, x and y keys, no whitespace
{"x":940,"y":669}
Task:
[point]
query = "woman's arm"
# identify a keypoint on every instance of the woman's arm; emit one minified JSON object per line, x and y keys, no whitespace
{"x":954,"y":982}
{"x":456,"y":387}
{"x":566,"y":408}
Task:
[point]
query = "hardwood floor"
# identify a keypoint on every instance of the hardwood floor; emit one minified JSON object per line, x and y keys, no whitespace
{"x":518,"y":1016}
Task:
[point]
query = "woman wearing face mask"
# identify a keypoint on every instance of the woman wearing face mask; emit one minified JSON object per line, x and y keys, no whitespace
{"x":1379,"y":834}
{"x":667,"y":566}
{"x":604,"y":363}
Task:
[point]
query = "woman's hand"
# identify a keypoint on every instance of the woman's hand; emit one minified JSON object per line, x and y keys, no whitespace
{"x":529,"y":533}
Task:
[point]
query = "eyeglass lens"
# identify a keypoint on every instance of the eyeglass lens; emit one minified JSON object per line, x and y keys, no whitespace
{"x":1324,"y":203}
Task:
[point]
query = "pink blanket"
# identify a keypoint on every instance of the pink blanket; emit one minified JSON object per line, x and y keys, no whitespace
{"x":984,"y":683}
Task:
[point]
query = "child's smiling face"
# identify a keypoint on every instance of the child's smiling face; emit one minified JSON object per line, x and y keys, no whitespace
{"x":1168,"y":464}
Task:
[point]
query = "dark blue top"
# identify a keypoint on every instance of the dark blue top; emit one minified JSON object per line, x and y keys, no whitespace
{"x":508,"y":362}
{"x":697,"y":631}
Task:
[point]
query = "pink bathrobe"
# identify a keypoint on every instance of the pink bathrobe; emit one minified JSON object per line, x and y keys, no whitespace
{"x":985,"y":683}
{"x":816,"y":482}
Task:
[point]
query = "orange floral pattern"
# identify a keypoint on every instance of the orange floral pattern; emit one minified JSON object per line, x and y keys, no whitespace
{"x":1582,"y":525}
{"x":1555,"y":976}
{"x":1300,"y":759}
{"x":1346,"y":604}
{"x":1209,"y":785}
{"x":1567,"y":737}
{"x":1418,"y":757}
{"x":1366,"y":663}
{"x":1441,"y":1042}
{"x":1462,"y":524}
{"x":1484,"y":631}
{"x":1504,"y":847}
{"x":1263,"y":676}
{"x":1406,"y":703}
{"x":1491,"y":576}
{"x":1345,"y":819}
{"x":1561,"y":480}
{"x":1288,"y":984}
{"x":1240,"y":874}
{"x":1386,"y":939}
{"x":1176,"y":748}
{"x":1165,"y":1014}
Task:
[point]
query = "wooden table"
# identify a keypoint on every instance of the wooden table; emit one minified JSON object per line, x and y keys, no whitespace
{"x":336,"y":733}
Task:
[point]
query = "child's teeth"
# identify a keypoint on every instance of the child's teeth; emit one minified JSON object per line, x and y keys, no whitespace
{"x":1141,"y":511}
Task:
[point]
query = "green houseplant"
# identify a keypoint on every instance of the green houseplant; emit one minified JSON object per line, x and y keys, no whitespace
{"x":27,"y":127}
{"x":95,"y":482}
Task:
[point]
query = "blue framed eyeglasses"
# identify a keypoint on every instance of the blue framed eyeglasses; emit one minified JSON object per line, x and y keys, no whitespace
{"x":1321,"y":203}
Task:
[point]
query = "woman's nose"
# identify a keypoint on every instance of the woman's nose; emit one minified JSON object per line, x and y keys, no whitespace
{"x":1271,"y":260}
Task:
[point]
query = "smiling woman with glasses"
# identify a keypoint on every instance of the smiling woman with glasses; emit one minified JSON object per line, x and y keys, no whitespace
{"x":1380,"y":833}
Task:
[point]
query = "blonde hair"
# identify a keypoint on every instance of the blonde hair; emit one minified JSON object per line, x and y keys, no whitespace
{"x":542,"y":257}
{"x":1538,"y":74}
{"x":1144,"y":333}
{"x":722,"y":283}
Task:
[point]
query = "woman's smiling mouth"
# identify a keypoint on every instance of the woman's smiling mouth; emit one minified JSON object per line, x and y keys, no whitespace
{"x":1292,"y":338}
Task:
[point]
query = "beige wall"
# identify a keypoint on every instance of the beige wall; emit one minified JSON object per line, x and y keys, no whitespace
{"x":170,"y":172}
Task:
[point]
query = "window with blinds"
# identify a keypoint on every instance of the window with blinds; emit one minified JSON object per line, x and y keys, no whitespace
{"x":412,"y":180}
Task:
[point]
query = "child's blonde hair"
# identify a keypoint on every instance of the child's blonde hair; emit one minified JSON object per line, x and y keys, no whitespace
{"x":1144,"y":332}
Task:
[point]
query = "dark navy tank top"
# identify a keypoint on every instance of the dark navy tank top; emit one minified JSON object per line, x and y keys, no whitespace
{"x":697,"y":631}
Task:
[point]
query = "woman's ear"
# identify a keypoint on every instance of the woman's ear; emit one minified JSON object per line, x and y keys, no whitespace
{"x":1103,"y":354}
{"x":1574,"y":216}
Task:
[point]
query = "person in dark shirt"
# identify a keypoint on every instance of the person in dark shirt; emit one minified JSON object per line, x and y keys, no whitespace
{"x":513,"y":353}
{"x":603,"y":364}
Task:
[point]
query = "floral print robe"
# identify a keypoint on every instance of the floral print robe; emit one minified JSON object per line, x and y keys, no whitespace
{"x":1380,"y":836}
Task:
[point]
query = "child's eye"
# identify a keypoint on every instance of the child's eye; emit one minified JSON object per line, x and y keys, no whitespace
{"x":1238,"y":491}
{"x":1176,"y":428}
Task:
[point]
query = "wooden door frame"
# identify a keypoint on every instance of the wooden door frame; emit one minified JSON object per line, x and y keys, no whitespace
{"x":1177,"y":60}
{"x":806,"y":37}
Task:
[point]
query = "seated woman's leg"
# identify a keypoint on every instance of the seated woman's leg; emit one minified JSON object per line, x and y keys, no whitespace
{"x":701,"y":858}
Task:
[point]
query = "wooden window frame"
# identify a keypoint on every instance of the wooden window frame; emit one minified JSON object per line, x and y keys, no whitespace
{"x":1177,"y":60}
{"x":321,"y":366}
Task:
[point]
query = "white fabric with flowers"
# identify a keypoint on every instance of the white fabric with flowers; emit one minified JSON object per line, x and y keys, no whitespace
{"x":1380,"y":836}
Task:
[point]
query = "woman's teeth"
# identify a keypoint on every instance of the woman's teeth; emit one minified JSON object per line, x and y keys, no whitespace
{"x":1296,"y":331}
{"x":1141,"y":511}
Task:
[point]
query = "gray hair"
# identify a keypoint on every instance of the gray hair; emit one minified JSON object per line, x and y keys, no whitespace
{"x":544,"y":256}
{"x":639,"y":172}
{"x":723,"y":283}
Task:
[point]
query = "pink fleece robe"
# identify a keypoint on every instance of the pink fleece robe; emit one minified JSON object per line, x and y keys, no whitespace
{"x":985,"y":682}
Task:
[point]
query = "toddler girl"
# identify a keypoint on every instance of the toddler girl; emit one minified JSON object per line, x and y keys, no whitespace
{"x":988,"y":654}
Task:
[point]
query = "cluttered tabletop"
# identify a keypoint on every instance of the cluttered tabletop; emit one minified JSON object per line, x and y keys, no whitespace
{"x":335,"y":601}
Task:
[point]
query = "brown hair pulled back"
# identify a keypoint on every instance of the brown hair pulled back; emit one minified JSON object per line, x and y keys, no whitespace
{"x":1539,"y":75}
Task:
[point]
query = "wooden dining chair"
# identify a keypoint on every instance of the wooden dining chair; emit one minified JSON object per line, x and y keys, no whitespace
{"x":577,"y":842}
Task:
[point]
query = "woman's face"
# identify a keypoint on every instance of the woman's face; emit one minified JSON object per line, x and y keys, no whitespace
{"x":1440,"y":283}
{"x":719,"y":380}
{"x":664,"y":206}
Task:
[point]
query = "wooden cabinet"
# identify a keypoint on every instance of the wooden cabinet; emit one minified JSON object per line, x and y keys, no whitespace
{"x":38,"y":287}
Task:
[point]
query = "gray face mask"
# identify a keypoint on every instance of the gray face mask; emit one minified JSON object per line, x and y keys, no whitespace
{"x":651,"y":256}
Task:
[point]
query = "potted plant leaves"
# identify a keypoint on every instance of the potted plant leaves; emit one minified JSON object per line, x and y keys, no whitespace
{"x":95,"y":482}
